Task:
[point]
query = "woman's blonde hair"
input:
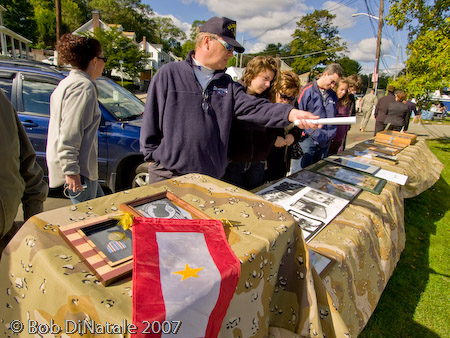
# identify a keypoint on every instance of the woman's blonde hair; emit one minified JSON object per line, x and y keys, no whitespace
{"x":346,"y":98}
{"x":258,"y":65}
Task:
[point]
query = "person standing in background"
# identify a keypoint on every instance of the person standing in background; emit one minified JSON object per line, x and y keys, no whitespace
{"x":398,"y":113}
{"x":72,"y":143}
{"x":21,"y":178}
{"x":319,"y":98}
{"x":368,"y":103}
{"x":344,"y":108}
{"x":250,"y":143}
{"x":279,"y":159}
{"x":381,"y":109}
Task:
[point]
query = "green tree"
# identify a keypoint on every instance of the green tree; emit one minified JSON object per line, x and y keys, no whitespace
{"x":165,"y":30}
{"x":74,"y":14}
{"x":44,"y":14}
{"x":131,"y":14}
{"x":186,"y":48}
{"x":120,"y":48}
{"x":317,"y":40}
{"x":428,"y":25}
{"x":350,"y":66}
{"x":194,"y":28}
{"x":19,"y":17}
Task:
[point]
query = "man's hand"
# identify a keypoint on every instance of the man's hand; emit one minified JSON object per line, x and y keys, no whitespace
{"x":302,"y":116}
{"x":289,"y":139}
{"x":280,"y":142}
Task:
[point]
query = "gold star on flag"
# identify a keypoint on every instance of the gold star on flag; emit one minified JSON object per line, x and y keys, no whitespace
{"x":188,"y":272}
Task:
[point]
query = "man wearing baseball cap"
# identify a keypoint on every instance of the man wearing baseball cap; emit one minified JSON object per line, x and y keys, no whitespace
{"x":190,"y":105}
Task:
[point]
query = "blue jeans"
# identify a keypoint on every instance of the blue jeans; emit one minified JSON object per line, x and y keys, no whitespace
{"x":92,"y":190}
{"x":312,"y":153}
{"x":247,"y":175}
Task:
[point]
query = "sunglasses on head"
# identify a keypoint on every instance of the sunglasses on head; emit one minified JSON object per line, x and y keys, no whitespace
{"x":287,"y":98}
{"x":227,"y":46}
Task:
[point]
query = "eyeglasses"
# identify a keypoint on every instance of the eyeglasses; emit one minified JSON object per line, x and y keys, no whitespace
{"x":104,"y":58}
{"x":287,"y":98}
{"x":227,"y":46}
{"x":205,"y":104}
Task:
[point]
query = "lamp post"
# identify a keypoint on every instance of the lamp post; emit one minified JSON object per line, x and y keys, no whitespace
{"x":396,"y":60}
{"x":377,"y":54}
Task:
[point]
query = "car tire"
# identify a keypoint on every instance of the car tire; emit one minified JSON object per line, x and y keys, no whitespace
{"x":141,"y":176}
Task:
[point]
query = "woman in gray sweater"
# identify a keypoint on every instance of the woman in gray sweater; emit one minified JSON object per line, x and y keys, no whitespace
{"x":72,"y":144}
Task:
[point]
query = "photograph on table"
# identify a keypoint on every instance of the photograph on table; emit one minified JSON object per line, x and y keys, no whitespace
{"x":315,"y":204}
{"x":280,"y":190}
{"x":103,"y":245}
{"x":162,"y":205}
{"x":353,"y":164}
{"x":360,"y":179}
{"x":310,"y":227}
{"x":387,"y":150}
{"x":326,"y":184}
{"x":321,"y":263}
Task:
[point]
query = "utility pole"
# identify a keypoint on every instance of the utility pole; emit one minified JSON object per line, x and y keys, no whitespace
{"x":58,"y":19}
{"x":377,"y":56}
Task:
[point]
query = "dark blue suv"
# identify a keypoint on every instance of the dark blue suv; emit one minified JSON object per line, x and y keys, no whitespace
{"x":29,"y":85}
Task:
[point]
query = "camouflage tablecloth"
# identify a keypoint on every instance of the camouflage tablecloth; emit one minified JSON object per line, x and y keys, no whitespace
{"x":45,"y":285}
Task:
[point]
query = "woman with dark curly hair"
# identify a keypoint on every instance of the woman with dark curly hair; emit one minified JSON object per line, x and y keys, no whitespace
{"x":72,"y":144}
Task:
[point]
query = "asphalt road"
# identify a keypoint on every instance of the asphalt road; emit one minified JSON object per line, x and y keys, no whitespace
{"x":353,"y":136}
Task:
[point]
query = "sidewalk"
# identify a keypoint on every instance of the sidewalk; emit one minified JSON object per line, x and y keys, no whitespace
{"x":423,"y":131}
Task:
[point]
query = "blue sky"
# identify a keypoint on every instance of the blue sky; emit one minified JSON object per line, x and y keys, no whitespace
{"x":260,"y":22}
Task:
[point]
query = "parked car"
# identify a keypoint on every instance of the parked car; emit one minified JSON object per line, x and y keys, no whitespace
{"x":29,"y":84}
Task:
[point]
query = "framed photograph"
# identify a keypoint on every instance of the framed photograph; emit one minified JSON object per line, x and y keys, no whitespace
{"x":163,"y":205}
{"x":103,"y":245}
{"x":353,"y":164}
{"x":357,"y":178}
{"x":387,"y":150}
{"x":321,"y":263}
{"x":280,"y":190}
{"x":314,"y":204}
{"x":326,"y":184}
{"x":310,"y":227}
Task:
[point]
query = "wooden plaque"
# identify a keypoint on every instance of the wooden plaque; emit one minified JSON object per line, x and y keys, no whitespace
{"x":103,"y":245}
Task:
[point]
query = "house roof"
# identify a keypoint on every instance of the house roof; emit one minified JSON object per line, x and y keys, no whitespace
{"x":88,"y":26}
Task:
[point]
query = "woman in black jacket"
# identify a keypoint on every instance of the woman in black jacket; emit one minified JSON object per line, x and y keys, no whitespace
{"x":398,"y":113}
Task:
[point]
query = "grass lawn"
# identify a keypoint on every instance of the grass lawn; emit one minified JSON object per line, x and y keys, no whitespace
{"x":416,"y":301}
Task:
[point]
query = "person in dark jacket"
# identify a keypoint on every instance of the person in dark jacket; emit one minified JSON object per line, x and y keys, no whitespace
{"x":318,"y":97}
{"x":279,"y":159}
{"x":21,"y":178}
{"x":398,"y":113}
{"x":250,"y":143}
{"x":381,"y":109}
{"x":190,"y":106}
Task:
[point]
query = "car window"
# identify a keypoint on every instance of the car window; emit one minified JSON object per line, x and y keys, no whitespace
{"x":6,"y":85}
{"x":36,"y":96}
{"x":118,"y":101}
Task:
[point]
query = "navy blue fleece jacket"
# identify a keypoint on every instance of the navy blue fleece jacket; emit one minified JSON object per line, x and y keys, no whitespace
{"x":186,"y":129}
{"x":311,"y":99}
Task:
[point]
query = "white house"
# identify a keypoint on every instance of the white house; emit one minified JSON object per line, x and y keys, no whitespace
{"x":235,"y":72}
{"x":14,"y":39}
{"x":157,"y":57}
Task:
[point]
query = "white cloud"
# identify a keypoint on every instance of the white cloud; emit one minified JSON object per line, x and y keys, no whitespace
{"x":343,"y":19}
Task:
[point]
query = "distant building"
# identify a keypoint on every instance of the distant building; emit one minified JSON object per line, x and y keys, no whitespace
{"x":235,"y":73}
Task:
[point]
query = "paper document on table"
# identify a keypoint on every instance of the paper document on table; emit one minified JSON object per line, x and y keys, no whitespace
{"x":331,"y":120}
{"x":392,"y":176}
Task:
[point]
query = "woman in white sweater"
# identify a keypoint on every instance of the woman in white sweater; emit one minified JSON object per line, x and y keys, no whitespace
{"x":72,"y":143}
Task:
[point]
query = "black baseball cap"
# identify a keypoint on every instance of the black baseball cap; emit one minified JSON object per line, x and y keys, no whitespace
{"x":225,"y":28}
